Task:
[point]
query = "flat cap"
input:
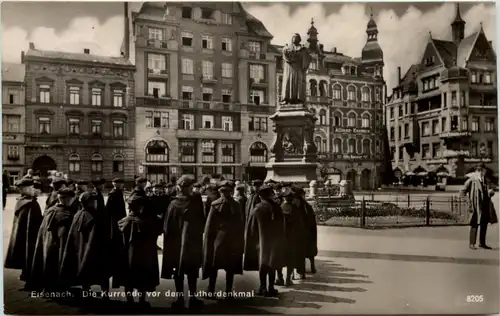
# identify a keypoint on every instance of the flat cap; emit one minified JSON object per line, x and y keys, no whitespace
{"x":98,"y":181}
{"x":66,"y":192}
{"x":25,"y":182}
{"x":265,"y":188}
{"x":141,"y":180}
{"x":69,"y":181}
{"x":257,"y":183}
{"x":58,"y":180}
{"x":185,"y":181}
{"x":87,"y":197}
{"x":117,"y":180}
{"x":226,"y":184}
{"x":82,"y":182}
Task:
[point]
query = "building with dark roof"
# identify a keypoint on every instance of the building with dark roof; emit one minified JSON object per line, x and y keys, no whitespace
{"x":205,"y":85}
{"x":347,"y":96}
{"x":442,"y":115}
{"x":80,"y":114}
{"x":13,"y":120}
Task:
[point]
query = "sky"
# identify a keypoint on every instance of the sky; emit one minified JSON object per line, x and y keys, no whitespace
{"x":403,"y":27}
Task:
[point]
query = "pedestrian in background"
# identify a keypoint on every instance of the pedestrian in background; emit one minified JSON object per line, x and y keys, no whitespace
{"x":310,"y":227}
{"x":5,"y":186}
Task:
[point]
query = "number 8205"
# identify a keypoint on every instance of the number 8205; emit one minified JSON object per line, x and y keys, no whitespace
{"x":475,"y":298}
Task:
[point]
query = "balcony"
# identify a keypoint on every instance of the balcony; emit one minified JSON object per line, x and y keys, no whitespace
{"x":213,"y":133}
{"x":210,"y":80}
{"x":158,"y":73}
{"x":455,"y":134}
{"x":152,"y":101}
{"x":187,"y":104}
{"x":45,"y":139}
{"x":318,"y":99}
{"x":156,"y":43}
{"x":258,"y":83}
{"x":263,"y":108}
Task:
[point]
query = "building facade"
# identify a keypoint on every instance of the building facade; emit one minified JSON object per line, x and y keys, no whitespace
{"x":80,"y":114}
{"x":442,"y":117}
{"x":205,"y":86}
{"x":13,"y":120}
{"x":347,"y":96}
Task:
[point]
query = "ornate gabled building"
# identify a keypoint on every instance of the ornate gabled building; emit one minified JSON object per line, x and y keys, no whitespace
{"x":442,"y":115}
{"x":347,"y":96}
{"x":13,"y":120}
{"x":80,"y":114}
{"x":205,"y":86}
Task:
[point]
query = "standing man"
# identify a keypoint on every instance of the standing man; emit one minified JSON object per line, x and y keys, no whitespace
{"x":311,"y":227}
{"x":5,"y":187}
{"x":476,"y":190}
{"x":98,"y":183}
{"x":115,"y":205}
{"x":241,"y":199}
{"x":223,"y":241}
{"x":212,"y":195}
{"x":253,"y":199}
{"x":27,"y":220}
{"x":264,"y":241}
{"x":183,"y":241}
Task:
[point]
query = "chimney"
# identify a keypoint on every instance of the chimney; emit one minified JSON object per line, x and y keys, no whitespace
{"x":86,"y":51}
{"x":399,"y":75}
{"x":126,"y":32}
{"x":335,"y":50}
{"x":32,"y":45}
{"x":22,"y":57}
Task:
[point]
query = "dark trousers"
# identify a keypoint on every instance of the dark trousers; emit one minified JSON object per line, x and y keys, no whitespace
{"x":4,"y":198}
{"x":482,"y":227}
{"x":192,"y":279}
{"x":213,"y":280}
{"x":267,"y":274}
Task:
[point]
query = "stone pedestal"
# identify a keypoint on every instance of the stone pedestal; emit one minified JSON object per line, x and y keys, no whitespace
{"x":293,"y":153}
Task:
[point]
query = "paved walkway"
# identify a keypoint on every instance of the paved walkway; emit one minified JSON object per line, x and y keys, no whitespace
{"x":393,"y":271}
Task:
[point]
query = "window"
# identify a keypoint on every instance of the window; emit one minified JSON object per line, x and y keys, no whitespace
{"x":407,"y":131}
{"x":400,"y":132}
{"x":74,"y":126}
{"x":157,"y":88}
{"x":365,"y":122}
{"x":489,"y":147}
{"x":208,"y":151}
{"x":155,"y":34}
{"x":337,"y":120}
{"x":187,"y":39}
{"x":351,"y":146}
{"x":487,"y":77}
{"x":95,"y":127}
{"x":228,"y":172}
{"x":226,"y":95}
{"x":156,"y":119}
{"x":392,"y":133}
{"x":74,"y":95}
{"x":118,"y":98}
{"x":475,"y":124}
{"x":118,"y":163}
{"x":435,"y":127}
{"x":44,"y":94}
{"x":13,"y":152}
{"x":453,"y":98}
{"x":208,"y":121}
{"x":228,"y":152}
{"x":12,"y":124}
{"x":188,"y":150}
{"x":337,"y":92}
{"x":314,"y":64}
{"x":207,"y":95}
{"x":187,"y":121}
{"x":351,"y":93}
{"x":445,"y":100}
{"x":426,"y":151}
{"x":317,"y":142}
{"x":227,"y":70}
{"x":207,"y":42}
{"x":351,"y":120}
{"x":96,"y":163}
{"x":74,"y":163}
{"x":322,"y":117}
{"x":257,"y":72}
{"x":443,"y":124}
{"x":426,"y":131}
{"x":365,"y":95}
{"x":401,"y":152}
{"x":207,"y":68}
{"x":227,"y":18}
{"x":227,"y":123}
{"x":207,"y":13}
{"x":474,"y":149}
{"x":256,"y":97}
{"x":156,"y":63}
{"x":227,"y":44}
{"x":400,"y":110}
{"x":473,"y":77}
{"x":157,"y":151}
{"x":257,"y":124}
{"x":254,"y":47}
{"x":187,"y":66}
{"x":118,"y":129}
{"x":435,"y":149}
{"x":465,"y":124}
{"x":391,"y":113}
{"x":337,"y":146}
{"x":14,"y":96}
{"x":187,"y":12}
{"x":96,"y":96}
{"x":489,"y":124}
{"x":258,"y":152}
{"x":44,"y":125}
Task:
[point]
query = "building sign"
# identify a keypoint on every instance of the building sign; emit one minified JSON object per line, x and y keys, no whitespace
{"x":344,"y":157}
{"x":352,"y":130}
{"x":9,"y":137}
{"x":355,"y":157}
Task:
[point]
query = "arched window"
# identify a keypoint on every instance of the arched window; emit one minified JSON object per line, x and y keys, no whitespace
{"x":337,"y":146}
{"x":74,"y":163}
{"x":96,"y":163}
{"x":157,"y":151}
{"x":317,"y":142}
{"x":322,"y":88}
{"x":351,"y":120}
{"x":258,"y":152}
{"x":366,"y":146}
{"x":365,"y":94}
{"x":322,"y":117}
{"x":337,"y":119}
{"x":337,"y":92}
{"x":118,"y":163}
{"x":313,"y":87}
{"x":313,"y":111}
{"x":351,"y":149}
{"x":365,"y":122}
{"x":351,"y":93}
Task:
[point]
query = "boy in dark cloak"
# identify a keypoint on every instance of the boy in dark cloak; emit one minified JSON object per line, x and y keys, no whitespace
{"x":57,"y":184}
{"x":311,"y":228}
{"x":253,"y":199}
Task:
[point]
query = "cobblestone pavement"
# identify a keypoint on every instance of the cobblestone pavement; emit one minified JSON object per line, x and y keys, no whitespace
{"x":414,"y":270}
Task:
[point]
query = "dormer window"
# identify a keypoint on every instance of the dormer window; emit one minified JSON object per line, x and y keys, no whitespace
{"x":430,"y":60}
{"x":314,"y":64}
{"x":353,"y":71}
{"x":187,"y":12}
{"x":207,"y":13}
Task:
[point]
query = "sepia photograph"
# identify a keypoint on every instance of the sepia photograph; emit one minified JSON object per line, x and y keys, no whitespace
{"x":259,"y":157}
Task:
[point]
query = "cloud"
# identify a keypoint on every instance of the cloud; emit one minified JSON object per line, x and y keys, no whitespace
{"x":82,"y":32}
{"x":402,"y":39}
